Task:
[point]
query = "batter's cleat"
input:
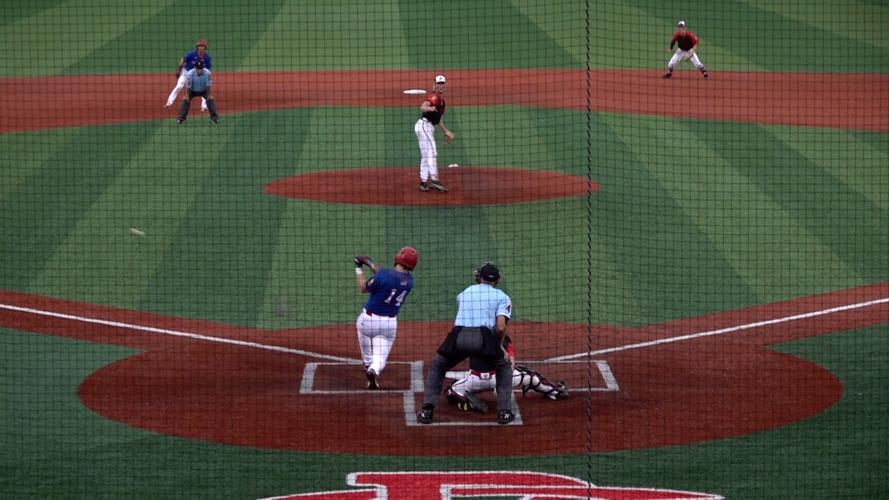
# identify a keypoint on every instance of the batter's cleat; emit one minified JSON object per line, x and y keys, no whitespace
{"x":215,"y":120}
{"x":180,"y":121}
{"x":424,"y":187}
{"x":438,"y":186}
{"x":706,"y":76}
{"x":667,"y":75}
{"x":425,"y":415}
{"x":372,"y":384}
{"x":505,"y":416}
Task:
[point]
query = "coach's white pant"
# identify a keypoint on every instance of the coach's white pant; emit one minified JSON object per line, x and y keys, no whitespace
{"x":180,"y":84}
{"x":376,"y":335}
{"x":425,"y":131}
{"x":682,"y":55}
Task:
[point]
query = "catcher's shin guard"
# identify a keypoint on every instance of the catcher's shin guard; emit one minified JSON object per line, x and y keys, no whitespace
{"x":530,"y":380}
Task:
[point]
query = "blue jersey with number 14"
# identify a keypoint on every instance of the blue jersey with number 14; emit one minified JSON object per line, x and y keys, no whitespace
{"x":388,"y":289}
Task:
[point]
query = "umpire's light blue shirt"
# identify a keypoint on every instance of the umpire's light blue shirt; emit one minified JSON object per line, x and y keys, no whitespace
{"x":479,"y":305}
{"x":199,"y":83}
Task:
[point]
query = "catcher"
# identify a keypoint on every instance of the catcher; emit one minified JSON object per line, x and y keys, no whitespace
{"x":481,"y":378}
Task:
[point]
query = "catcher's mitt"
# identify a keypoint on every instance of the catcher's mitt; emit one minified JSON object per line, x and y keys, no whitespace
{"x":467,"y":402}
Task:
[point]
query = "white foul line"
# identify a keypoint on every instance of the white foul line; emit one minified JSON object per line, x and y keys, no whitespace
{"x":176,"y":333}
{"x":722,"y":331}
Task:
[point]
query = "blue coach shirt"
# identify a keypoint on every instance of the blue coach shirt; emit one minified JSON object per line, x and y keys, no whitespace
{"x":388,"y":288}
{"x":479,"y":305}
{"x":199,"y":83}
{"x":193,"y":56}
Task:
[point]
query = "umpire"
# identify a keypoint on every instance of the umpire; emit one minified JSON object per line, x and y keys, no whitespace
{"x":198,"y":82}
{"x":479,"y":330}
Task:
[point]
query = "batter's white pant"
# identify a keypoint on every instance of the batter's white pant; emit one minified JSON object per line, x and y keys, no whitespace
{"x":425,"y":131}
{"x":683,"y":55}
{"x":180,"y":84}
{"x":376,"y":336}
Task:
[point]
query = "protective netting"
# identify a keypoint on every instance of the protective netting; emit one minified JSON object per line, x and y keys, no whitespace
{"x":690,"y":239}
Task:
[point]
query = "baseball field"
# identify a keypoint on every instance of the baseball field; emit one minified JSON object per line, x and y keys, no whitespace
{"x":704,"y":263}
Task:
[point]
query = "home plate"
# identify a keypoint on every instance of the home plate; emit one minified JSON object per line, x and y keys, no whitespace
{"x":453,"y":165}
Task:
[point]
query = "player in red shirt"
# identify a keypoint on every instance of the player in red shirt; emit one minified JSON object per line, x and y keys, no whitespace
{"x":687,"y":42}
{"x":432,"y":115}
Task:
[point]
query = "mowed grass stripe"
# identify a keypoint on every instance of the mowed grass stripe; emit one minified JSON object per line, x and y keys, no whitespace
{"x":12,"y":12}
{"x":852,"y":161}
{"x":52,"y":200}
{"x":840,"y":218}
{"x":40,"y":410}
{"x":315,"y":240}
{"x":158,"y":41}
{"x":492,"y":34}
{"x":219,"y":259}
{"x":321,"y":34}
{"x":674,"y":267}
{"x":849,"y":18}
{"x":774,"y":255}
{"x":24,"y":154}
{"x":50,"y":41}
{"x":101,"y":260}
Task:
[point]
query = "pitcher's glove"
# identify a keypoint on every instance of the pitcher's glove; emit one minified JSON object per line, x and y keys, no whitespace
{"x":363,"y":260}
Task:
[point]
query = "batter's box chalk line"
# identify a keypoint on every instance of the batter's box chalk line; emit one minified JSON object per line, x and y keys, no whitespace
{"x":307,"y":387}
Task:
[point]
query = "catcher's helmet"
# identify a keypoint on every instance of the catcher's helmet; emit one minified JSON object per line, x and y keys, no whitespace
{"x":487,"y":272}
{"x":201,"y":42}
{"x":407,"y":257}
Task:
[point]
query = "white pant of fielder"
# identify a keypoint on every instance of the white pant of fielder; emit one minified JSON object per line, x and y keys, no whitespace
{"x":685,"y":55}
{"x":425,"y":131}
{"x":376,"y":336}
{"x":180,"y":84}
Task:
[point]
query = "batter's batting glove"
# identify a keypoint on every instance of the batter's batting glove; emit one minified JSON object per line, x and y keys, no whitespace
{"x":363,"y":260}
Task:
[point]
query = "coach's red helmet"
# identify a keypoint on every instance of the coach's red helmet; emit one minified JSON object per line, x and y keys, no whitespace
{"x":201,"y":43}
{"x":407,"y":257}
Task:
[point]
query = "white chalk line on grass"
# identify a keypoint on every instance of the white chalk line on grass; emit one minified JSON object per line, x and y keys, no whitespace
{"x":722,"y":331}
{"x":177,"y":333}
{"x":567,"y":357}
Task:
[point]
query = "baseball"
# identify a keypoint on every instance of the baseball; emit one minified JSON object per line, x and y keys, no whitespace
{"x":137,"y":232}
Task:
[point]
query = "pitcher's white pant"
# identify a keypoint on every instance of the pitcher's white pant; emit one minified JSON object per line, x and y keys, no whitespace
{"x":376,"y":335}
{"x":425,"y":131}
{"x":683,"y":55}
{"x":180,"y":84}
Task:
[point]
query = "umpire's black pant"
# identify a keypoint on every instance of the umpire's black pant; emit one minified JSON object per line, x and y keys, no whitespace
{"x":461,"y":343}
{"x":186,"y":103}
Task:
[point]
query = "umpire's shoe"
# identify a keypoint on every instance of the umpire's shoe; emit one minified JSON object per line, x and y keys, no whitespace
{"x":505,"y":416}
{"x":438,"y":186}
{"x":425,"y":415}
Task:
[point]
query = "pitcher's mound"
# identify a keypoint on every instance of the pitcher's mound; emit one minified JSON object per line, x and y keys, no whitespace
{"x":400,"y":186}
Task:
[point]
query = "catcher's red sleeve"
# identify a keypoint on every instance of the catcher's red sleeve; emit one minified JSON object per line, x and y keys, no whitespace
{"x":510,"y":349}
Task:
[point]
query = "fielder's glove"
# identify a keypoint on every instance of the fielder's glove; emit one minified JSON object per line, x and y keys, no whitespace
{"x":363,"y":260}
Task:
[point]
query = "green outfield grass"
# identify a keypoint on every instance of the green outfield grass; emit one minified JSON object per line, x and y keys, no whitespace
{"x":692,"y":217}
